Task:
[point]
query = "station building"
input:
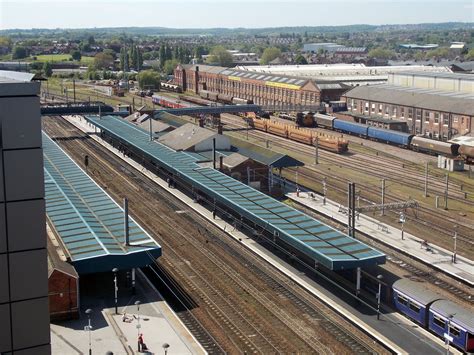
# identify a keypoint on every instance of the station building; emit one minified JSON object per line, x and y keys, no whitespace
{"x":437,"y":105}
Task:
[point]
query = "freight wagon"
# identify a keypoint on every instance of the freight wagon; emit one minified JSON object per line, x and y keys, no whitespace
{"x":388,"y":136}
{"x":430,"y":146}
{"x":350,"y":127}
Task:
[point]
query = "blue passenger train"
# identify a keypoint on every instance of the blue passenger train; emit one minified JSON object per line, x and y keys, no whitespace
{"x":442,"y":317}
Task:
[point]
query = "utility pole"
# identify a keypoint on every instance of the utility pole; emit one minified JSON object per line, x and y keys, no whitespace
{"x":426,"y":180}
{"x":151,"y":130}
{"x":446,"y":192}
{"x":316,"y":146}
{"x":324,"y":190}
{"x":349,"y":199}
{"x":214,"y":153}
{"x":455,"y":239}
{"x":74,"y":89}
{"x":383,"y":197}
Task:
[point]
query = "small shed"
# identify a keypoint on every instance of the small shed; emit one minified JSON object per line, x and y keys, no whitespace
{"x":450,"y":163}
{"x":63,"y":287}
{"x":192,"y":138}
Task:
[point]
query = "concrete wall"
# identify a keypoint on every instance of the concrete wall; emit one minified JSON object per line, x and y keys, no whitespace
{"x":23,"y":257}
{"x":438,"y":83}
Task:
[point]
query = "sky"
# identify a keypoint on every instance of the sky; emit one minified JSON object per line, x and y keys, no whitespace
{"x":227,"y":13}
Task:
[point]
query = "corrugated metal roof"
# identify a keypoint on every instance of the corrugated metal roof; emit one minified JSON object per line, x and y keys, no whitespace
{"x":320,"y":242}
{"x":87,"y":219}
{"x":462,"y":316}
{"x":460,"y":103}
{"x":458,"y":76}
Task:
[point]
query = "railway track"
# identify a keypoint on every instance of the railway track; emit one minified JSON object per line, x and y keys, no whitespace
{"x":405,"y":265}
{"x":378,"y":168}
{"x":444,"y":224}
{"x":242,"y":302}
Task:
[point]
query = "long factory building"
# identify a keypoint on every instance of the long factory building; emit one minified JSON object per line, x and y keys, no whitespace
{"x":283,"y":85}
{"x":436,"y":105}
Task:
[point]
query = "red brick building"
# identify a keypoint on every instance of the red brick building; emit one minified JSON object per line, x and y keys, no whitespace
{"x":434,"y":113}
{"x":63,"y":287}
{"x":264,"y":89}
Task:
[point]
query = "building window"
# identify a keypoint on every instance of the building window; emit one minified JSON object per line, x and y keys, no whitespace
{"x":455,"y":119}
{"x":402,"y":112}
{"x":427,"y":116}
{"x":439,"y":322}
{"x":387,"y":109}
{"x":373,"y":108}
{"x":366,"y":109}
{"x":418,"y":115}
{"x":380,"y":108}
{"x":436,"y":118}
{"x":394,"y":111}
{"x":410,"y":113}
{"x":445,"y":119}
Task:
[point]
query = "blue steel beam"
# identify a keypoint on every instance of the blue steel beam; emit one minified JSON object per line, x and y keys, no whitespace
{"x":199,"y":110}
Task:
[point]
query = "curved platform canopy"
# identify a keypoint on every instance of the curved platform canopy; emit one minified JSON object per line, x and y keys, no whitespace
{"x":323,"y":244}
{"x":88,"y":221}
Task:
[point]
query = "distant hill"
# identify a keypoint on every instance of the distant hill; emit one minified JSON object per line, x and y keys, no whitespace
{"x":162,"y":31}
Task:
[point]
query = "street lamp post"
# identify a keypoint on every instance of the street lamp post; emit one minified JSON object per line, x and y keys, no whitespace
{"x":137,"y":303}
{"x":89,"y":328}
{"x":115,"y":270}
{"x":455,"y":239}
{"x":402,"y":221}
{"x":165,"y":346}
{"x":379,"y":279}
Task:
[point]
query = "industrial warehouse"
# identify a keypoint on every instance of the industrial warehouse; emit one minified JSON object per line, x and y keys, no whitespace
{"x":437,"y":105}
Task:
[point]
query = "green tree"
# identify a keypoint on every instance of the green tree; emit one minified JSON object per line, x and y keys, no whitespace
{"x":169,"y":66}
{"x":76,"y":55}
{"x":124,"y":62}
{"x":269,"y":54}
{"x":5,"y":41}
{"x":47,"y":69}
{"x":381,"y":53}
{"x":470,"y":54}
{"x":300,"y":59}
{"x":91,"y":41}
{"x":19,"y":52}
{"x":149,"y":79}
{"x":103,"y":61}
{"x":162,"y":56}
{"x":220,"y":55}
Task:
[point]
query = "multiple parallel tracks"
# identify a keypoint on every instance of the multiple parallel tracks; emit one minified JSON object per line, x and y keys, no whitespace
{"x":238,"y":303}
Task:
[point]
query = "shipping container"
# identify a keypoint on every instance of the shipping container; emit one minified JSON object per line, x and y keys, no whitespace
{"x":324,"y":121}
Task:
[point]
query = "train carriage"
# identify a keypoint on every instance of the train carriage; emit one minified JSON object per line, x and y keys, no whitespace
{"x":225,"y":99}
{"x":413,"y":300}
{"x":389,"y":136}
{"x":467,"y":152}
{"x":432,"y":146}
{"x":446,"y":317}
{"x":350,"y":127}
{"x":324,"y":121}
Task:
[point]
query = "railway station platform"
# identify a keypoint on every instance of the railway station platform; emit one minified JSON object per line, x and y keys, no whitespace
{"x":88,"y":222}
{"x":393,"y":330}
{"x":435,"y":256}
{"x":159,"y":324}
